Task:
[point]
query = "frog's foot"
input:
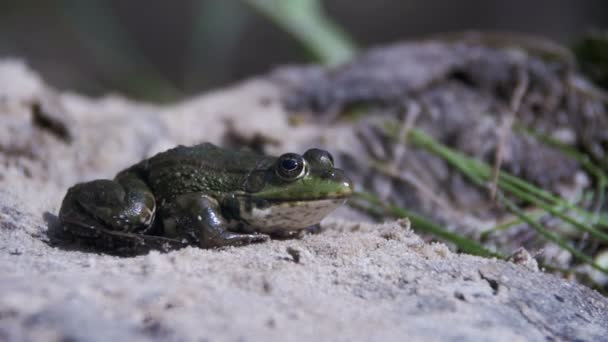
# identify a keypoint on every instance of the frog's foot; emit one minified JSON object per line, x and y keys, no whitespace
{"x":235,"y":239}
{"x":296,"y":234}
{"x":90,"y":209}
{"x":314,"y":229}
{"x":129,"y":244}
{"x":288,"y":234}
{"x":197,"y":218}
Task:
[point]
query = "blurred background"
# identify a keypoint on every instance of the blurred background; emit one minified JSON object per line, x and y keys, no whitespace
{"x":165,"y":50}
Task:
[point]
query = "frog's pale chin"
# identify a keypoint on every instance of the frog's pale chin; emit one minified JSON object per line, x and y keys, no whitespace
{"x":289,"y":216}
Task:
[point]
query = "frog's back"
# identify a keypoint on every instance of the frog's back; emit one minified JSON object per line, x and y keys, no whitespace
{"x":200,"y":168}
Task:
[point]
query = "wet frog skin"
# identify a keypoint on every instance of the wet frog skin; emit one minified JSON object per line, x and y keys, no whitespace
{"x":205,"y":196}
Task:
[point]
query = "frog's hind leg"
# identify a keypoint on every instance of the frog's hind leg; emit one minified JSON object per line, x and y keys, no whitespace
{"x":124,"y":205}
{"x":197,"y":218}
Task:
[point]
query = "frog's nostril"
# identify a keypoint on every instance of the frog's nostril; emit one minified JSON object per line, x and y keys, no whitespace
{"x":331,"y":175}
{"x":338,"y":176}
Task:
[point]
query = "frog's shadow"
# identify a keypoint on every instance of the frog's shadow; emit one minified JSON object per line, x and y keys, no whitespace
{"x":58,"y":237}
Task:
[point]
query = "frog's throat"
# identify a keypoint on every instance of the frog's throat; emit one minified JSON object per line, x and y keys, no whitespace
{"x":287,"y":215}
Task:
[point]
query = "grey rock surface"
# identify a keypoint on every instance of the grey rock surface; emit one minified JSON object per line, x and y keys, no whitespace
{"x":354,"y":281}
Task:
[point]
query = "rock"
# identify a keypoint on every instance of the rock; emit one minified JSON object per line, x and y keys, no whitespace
{"x":351,"y":281}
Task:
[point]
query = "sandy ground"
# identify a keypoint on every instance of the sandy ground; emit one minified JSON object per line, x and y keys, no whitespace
{"x":354,"y":281}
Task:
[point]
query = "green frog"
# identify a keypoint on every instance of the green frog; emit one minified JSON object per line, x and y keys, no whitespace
{"x":205,"y":196}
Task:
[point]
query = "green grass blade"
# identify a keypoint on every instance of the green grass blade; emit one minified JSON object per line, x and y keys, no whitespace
{"x":308,"y":23}
{"x":549,"y":235}
{"x":532,"y":200}
{"x":480,"y":174}
{"x":511,"y":223}
{"x":601,"y":183}
{"x":464,"y":244}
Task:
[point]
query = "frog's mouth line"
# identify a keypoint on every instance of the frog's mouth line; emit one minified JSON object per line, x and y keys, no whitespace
{"x":274,"y":200}
{"x":308,"y":201}
{"x":314,"y":199}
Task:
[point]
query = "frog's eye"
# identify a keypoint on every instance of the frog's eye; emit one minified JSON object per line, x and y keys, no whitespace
{"x":290,"y":166}
{"x":319,"y":157}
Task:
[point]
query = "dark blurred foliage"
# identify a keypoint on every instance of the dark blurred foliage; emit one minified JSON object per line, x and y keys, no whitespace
{"x":592,"y":54}
{"x":160,"y":50}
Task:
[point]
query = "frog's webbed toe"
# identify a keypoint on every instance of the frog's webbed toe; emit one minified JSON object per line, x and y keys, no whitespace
{"x":235,"y":239}
{"x":128,"y":244}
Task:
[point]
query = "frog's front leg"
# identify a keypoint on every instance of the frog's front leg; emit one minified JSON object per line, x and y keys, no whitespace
{"x":125,"y":204}
{"x":197,"y":218}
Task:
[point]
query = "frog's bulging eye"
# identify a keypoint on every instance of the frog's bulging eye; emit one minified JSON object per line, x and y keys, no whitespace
{"x":290,"y":166}
{"x":319,"y":157}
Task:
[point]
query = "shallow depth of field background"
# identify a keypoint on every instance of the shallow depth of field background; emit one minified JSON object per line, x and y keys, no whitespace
{"x":165,"y":50}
